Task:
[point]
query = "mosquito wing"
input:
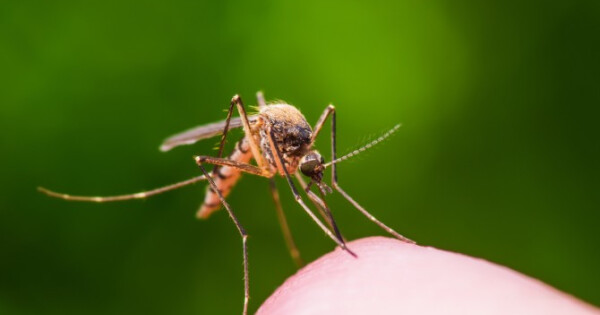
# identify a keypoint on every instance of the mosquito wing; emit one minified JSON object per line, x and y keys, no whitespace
{"x":196,"y":134}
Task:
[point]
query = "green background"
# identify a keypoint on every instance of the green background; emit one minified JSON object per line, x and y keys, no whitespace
{"x":497,"y":157}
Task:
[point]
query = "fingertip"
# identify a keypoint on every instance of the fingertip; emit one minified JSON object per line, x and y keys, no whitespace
{"x":390,"y":276}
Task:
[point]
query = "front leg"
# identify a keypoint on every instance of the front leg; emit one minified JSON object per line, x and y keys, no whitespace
{"x":330,"y":112}
{"x":279,"y":162}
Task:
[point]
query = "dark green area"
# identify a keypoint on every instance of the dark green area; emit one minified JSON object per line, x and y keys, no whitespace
{"x":497,"y":157}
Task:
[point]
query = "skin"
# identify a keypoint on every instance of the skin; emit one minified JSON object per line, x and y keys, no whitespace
{"x":392,"y":277}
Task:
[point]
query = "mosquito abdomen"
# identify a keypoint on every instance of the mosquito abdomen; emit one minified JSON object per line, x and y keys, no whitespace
{"x":225,"y":178}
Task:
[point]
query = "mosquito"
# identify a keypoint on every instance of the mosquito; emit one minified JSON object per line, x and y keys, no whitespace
{"x":280,"y":141}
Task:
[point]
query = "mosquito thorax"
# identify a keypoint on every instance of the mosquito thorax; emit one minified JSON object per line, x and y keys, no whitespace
{"x":290,"y":131}
{"x":311,"y":165}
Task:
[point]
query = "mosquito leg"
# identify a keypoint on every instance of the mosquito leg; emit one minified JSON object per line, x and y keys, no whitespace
{"x":243,"y":234}
{"x":258,"y":157}
{"x":371,"y":217}
{"x":334,"y":180}
{"x":321,"y":122}
{"x":223,"y":136}
{"x":244,"y":167}
{"x":204,"y":210}
{"x":285,"y":229}
{"x":139,"y":195}
{"x":215,"y":171}
{"x":279,"y":161}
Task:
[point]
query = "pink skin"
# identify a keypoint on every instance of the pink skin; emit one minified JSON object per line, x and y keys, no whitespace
{"x":391,"y":277}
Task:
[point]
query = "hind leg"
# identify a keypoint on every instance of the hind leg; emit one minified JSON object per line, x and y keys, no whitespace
{"x":285,"y":228}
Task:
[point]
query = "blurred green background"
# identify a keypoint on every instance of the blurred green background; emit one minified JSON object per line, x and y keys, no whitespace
{"x":497,"y":157}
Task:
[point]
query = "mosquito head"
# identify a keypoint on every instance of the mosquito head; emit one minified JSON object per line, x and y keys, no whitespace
{"x":312,"y":165}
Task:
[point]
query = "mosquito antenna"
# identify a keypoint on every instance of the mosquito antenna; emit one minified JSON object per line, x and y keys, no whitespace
{"x":365,"y":147}
{"x":139,"y":195}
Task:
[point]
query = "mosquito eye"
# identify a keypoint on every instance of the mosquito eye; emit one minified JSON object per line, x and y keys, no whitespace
{"x":308,"y":168}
